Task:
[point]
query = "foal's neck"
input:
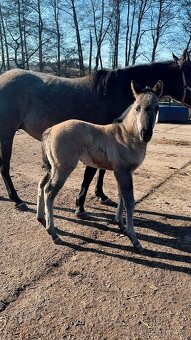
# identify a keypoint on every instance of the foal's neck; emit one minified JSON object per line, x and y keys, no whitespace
{"x":129,"y":128}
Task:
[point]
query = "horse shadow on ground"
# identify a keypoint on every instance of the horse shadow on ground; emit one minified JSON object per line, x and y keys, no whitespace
{"x":147,"y":258}
{"x":175,"y":238}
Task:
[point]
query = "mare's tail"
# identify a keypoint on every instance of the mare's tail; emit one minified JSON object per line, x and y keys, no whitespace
{"x":45,"y":146}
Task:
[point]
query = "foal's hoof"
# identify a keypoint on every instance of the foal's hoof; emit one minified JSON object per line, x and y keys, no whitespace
{"x":58,"y":241}
{"x":82,"y":215}
{"x":108,"y":202}
{"x":21,"y":207}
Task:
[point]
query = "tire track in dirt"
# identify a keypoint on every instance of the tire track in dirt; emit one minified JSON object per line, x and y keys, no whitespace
{"x":159,"y":185}
{"x":54,"y":262}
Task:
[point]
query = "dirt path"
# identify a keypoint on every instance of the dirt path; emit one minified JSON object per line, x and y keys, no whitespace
{"x":95,"y":287}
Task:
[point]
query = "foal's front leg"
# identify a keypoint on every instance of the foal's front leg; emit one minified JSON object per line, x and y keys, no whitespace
{"x":119,"y":212}
{"x":125,"y":182}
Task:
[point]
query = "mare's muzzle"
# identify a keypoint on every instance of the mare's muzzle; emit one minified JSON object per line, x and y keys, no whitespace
{"x":146,"y":135}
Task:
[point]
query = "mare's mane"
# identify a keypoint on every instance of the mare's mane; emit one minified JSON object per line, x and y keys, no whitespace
{"x":104,"y":79}
{"x":147,"y":89}
{"x":122,"y":117}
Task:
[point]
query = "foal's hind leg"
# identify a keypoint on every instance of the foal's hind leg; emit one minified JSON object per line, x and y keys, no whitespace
{"x":40,"y":199}
{"x":51,"y":189}
{"x":6,"y":143}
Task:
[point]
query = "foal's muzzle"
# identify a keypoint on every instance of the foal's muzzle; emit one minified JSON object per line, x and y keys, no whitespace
{"x":146,"y":135}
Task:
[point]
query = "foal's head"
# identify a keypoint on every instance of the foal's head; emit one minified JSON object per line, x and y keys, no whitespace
{"x":146,"y":107}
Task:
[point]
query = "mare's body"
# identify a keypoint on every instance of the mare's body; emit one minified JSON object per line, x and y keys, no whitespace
{"x":34,"y":101}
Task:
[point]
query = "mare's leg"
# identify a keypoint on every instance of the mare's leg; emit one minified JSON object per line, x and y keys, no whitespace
{"x":99,"y":187}
{"x":99,"y":190}
{"x":40,"y":199}
{"x":80,"y":200}
{"x":6,"y":143}
{"x":125,"y":182}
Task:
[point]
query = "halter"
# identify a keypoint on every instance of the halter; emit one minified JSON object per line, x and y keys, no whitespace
{"x":185,"y":87}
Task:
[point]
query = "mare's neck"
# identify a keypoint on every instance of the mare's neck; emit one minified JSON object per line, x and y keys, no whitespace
{"x":149,"y":74}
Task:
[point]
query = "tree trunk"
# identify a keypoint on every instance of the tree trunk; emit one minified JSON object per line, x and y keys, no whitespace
{"x":58,"y":35}
{"x":3,"y":67}
{"x":80,"y":53}
{"x":40,"y":31}
{"x":117,"y":30}
{"x":90,"y":54}
{"x":22,"y":64}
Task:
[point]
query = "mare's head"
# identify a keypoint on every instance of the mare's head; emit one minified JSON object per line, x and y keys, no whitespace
{"x":184,"y":64}
{"x":146,"y":106}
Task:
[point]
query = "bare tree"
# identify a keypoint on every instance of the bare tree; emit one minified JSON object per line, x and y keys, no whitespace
{"x":143,"y":6}
{"x":185,"y":15}
{"x":117,"y":7}
{"x":3,"y":67}
{"x":90,"y":53}
{"x":56,"y":5}
{"x":80,"y":53}
{"x":40,"y":33}
{"x":71,"y":10}
{"x":101,"y":24}
{"x":161,"y":19}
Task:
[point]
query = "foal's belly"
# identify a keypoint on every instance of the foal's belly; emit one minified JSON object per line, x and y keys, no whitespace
{"x":96,"y":160}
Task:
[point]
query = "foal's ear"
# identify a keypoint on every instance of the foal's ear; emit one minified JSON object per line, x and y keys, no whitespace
{"x":158,"y":88}
{"x":136,"y":88}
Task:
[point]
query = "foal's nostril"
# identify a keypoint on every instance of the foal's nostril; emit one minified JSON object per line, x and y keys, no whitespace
{"x":146,"y":135}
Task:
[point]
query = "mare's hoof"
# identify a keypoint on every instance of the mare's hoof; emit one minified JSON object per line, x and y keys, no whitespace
{"x":121,"y":227}
{"x":138,"y":248}
{"x":82,"y":215}
{"x":21,"y":207}
{"x":108,"y":202}
{"x":42,"y":221}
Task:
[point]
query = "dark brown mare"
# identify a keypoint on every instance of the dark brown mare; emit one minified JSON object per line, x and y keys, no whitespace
{"x":34,"y":101}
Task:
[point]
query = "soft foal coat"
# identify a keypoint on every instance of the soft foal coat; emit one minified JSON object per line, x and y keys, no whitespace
{"x":119,"y":147}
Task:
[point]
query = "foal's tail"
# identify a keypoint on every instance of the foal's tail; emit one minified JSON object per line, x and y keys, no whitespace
{"x":45,"y":145}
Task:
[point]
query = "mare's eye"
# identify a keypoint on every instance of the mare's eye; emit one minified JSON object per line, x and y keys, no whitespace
{"x":157,"y":109}
{"x":138,"y":108}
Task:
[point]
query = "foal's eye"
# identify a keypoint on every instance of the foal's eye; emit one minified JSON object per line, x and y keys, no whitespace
{"x":138,"y":108}
{"x":157,"y":109}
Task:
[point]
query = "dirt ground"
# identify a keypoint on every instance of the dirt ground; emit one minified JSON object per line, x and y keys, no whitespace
{"x":95,"y":286}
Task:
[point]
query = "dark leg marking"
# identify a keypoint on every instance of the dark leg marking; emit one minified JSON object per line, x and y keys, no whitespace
{"x":5,"y":156}
{"x":80,"y":200}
